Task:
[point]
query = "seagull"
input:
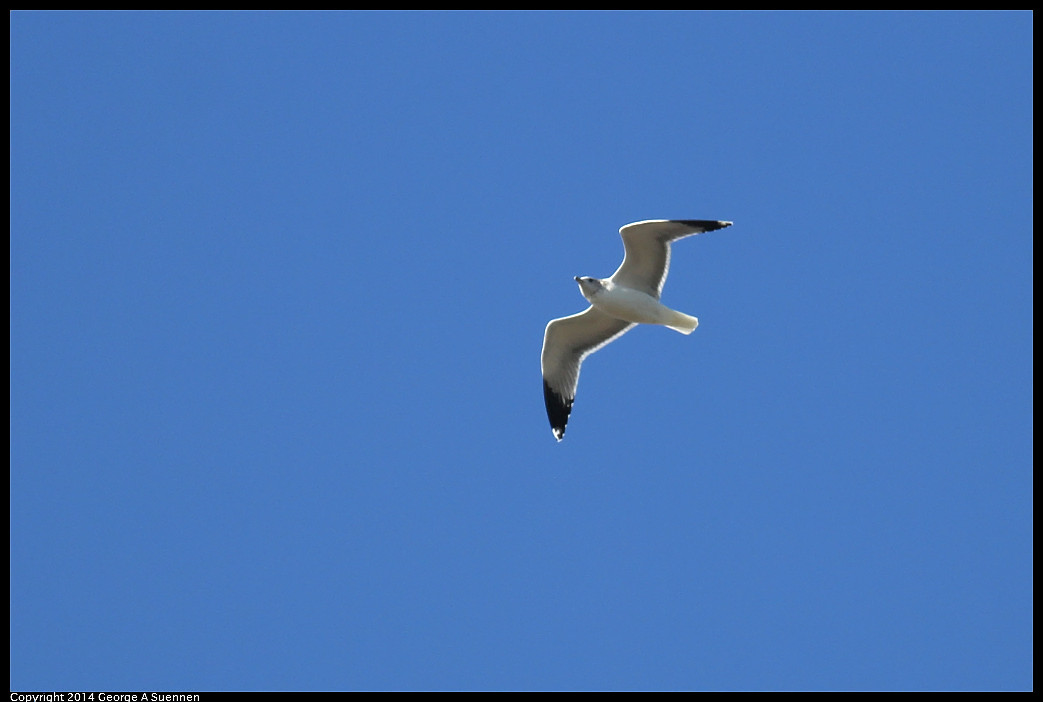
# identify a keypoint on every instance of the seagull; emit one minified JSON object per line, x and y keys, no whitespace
{"x":617,"y":304}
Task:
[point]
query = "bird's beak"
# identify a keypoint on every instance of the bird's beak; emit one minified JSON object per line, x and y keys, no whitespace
{"x":576,"y":278}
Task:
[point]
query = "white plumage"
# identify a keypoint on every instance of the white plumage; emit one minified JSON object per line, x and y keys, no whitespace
{"x":629,"y":297}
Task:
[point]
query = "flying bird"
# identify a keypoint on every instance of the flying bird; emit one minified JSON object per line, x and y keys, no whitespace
{"x":617,"y":304}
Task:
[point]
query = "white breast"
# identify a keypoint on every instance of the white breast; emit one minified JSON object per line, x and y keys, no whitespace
{"x":631,"y":305}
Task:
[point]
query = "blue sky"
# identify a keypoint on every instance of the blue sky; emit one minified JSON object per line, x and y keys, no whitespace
{"x":278,"y":289}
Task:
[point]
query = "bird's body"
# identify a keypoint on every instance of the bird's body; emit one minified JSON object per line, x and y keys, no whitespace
{"x":632,"y":305}
{"x":629,"y":297}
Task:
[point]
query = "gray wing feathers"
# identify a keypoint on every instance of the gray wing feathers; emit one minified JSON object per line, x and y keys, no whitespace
{"x":647,"y":245}
{"x":566,"y":342}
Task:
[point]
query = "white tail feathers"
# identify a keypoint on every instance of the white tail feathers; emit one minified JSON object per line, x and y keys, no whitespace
{"x":682,"y":323}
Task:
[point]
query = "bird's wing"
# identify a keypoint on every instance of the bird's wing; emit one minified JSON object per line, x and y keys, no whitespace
{"x":566,"y":343}
{"x":647,"y":245}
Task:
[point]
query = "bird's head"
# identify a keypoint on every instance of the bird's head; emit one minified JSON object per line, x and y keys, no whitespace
{"x":589,"y":286}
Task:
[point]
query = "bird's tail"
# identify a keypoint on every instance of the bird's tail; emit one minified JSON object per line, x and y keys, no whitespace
{"x":683,"y":323}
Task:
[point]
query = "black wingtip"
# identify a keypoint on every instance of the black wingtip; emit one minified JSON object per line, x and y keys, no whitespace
{"x":706,"y":225}
{"x":558,"y":410}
